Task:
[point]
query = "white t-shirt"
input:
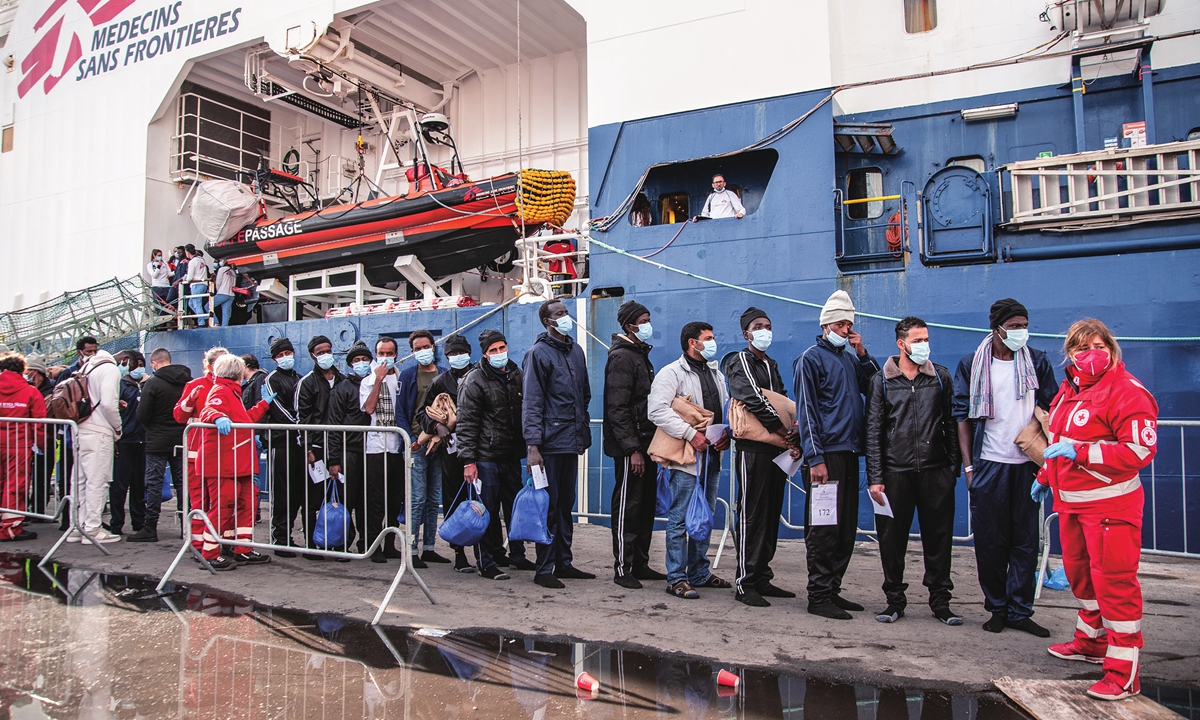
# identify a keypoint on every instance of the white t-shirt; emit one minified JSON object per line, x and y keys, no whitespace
{"x":159,"y":276}
{"x":1012,"y":416}
{"x":378,"y":442}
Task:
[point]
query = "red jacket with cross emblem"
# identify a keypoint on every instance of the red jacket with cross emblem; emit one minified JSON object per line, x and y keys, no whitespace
{"x":234,"y":455}
{"x":1113,"y":424}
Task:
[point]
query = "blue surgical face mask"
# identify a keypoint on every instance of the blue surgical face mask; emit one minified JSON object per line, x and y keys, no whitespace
{"x":499,"y":360}
{"x":362,"y":368}
{"x":564,"y":324}
{"x":390,"y":362}
{"x":325,"y":361}
{"x":918,"y":352}
{"x":124,"y":370}
{"x":460,"y":361}
{"x":287,"y":362}
{"x":644,"y":332}
{"x":761,"y":339}
{"x":424,"y":357}
{"x":837,"y":340}
{"x":708,"y":349}
{"x":137,"y":373}
{"x":1016,"y":339}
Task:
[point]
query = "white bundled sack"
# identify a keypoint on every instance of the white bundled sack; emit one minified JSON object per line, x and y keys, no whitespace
{"x":221,"y":208}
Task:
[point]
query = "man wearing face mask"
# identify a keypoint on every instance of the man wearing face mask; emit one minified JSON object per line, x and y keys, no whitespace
{"x":345,"y":451}
{"x":426,"y":470}
{"x":458,"y":354}
{"x":913,"y":458}
{"x":830,"y":380}
{"x":995,"y":391}
{"x":490,"y":446}
{"x":312,"y":408}
{"x":628,"y":431}
{"x":383,"y":452}
{"x":289,"y":478}
{"x":556,"y":428}
{"x":129,"y":471}
{"x":760,"y":481}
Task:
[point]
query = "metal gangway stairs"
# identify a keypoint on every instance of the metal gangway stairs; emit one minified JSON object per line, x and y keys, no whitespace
{"x":109,"y":311}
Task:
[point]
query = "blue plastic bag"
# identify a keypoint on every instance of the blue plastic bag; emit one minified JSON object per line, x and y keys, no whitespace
{"x":699,"y":515}
{"x":469,"y":521}
{"x":333,"y":522}
{"x":167,"y":492}
{"x":1057,"y":579}
{"x":662,"y":501}
{"x":529,"y":516}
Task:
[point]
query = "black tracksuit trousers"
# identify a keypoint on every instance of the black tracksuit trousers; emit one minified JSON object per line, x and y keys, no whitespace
{"x":632,"y":515}
{"x":761,"y":485}
{"x":931,"y":494}
{"x":829,"y":547}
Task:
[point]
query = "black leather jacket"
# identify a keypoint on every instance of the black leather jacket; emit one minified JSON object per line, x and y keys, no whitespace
{"x":911,"y":428}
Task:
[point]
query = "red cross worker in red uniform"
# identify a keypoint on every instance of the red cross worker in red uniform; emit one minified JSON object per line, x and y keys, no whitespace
{"x":191,"y":402}
{"x":18,"y":441}
{"x":1103,"y":430}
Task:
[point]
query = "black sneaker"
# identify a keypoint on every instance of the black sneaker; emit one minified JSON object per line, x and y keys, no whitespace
{"x":418,"y":563}
{"x":548,"y":580}
{"x":314,"y":558}
{"x":570,"y":572}
{"x":524,"y":564}
{"x":376,"y":557}
{"x":502,"y":561}
{"x":828,"y":610}
{"x":769,"y":590}
{"x":752,"y":598}
{"x":948,"y":616}
{"x":251,"y":558}
{"x":996,"y":623}
{"x":493,"y":573}
{"x":285,"y":554}
{"x":114,"y":531}
{"x":146,"y":535}
{"x":1029,"y":626}
{"x":627,"y":581}
{"x":223,"y":563}
{"x":845,"y":604}
{"x":23,"y":535}
{"x":648,"y":574}
{"x":891,"y":614}
{"x":430,"y":556}
{"x":461,"y":563}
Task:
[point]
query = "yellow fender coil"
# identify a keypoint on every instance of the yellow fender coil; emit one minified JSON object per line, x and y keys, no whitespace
{"x":546,"y":196}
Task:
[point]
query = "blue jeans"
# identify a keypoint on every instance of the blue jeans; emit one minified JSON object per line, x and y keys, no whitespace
{"x":156,"y":469}
{"x":196,"y":295}
{"x":686,"y":558}
{"x":223,"y":309}
{"x":426,"y":497}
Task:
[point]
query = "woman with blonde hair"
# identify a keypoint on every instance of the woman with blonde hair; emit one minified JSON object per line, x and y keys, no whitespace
{"x":1103,"y":430}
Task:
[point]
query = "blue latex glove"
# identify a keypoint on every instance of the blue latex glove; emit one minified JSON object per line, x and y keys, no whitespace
{"x":267,"y":396}
{"x":258,"y":442}
{"x":1062,"y":448}
{"x":224,"y":425}
{"x":1039,"y":492}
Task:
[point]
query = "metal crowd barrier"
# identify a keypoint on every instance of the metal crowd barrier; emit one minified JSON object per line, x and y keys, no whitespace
{"x":223,"y":480}
{"x":29,"y":477}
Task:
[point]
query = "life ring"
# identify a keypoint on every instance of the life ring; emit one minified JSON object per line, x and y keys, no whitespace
{"x":291,"y":162}
{"x":894,"y":234}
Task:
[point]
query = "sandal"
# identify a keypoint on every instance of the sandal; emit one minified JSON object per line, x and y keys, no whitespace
{"x":715,"y":582}
{"x":683,"y":589}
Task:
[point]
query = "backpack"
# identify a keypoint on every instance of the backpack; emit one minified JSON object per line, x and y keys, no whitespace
{"x":70,"y":399}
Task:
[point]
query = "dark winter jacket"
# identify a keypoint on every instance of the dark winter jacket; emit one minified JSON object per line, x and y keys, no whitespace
{"x":312,"y":405}
{"x":406,"y":399}
{"x":627,"y":378}
{"x":1047,"y":389}
{"x":910,"y":423}
{"x":557,"y":393}
{"x":746,"y":377}
{"x":829,"y":383}
{"x":489,"y":414}
{"x":252,"y":389}
{"x":156,"y":409}
{"x":132,"y":431}
{"x":345,"y":410}
{"x":447,"y":383}
{"x":283,"y":408}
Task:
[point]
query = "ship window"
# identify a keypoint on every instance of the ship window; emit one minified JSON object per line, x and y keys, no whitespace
{"x":974,"y":162}
{"x":218,"y":136}
{"x":862,"y":184}
{"x":920,"y":16}
{"x":673,"y":207}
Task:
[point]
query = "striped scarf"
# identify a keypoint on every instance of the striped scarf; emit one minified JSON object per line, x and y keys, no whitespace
{"x":385,"y":408}
{"x":981,"y":405}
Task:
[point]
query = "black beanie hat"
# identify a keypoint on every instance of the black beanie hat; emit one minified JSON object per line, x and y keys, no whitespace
{"x":750,"y":316}
{"x":488,"y":338}
{"x":1004,"y":309}
{"x":280,"y":345}
{"x":629,"y":312}
{"x":358,"y":350}
{"x":456,"y":345}
{"x":317,"y":340}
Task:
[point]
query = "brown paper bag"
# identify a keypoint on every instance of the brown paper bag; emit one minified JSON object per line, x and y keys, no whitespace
{"x":745,"y":424}
{"x":665,"y":449}
{"x":1035,"y":437}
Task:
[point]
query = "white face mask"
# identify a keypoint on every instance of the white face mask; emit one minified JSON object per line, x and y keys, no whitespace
{"x":918,"y":352}
{"x":460,"y":361}
{"x":837,"y":340}
{"x":761,"y":339}
{"x":1016,"y":339}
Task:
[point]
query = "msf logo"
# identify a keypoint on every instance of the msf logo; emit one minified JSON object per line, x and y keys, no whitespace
{"x":41,"y":64}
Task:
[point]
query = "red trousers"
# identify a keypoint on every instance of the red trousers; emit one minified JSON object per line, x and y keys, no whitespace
{"x":231,"y":510}
{"x":14,"y":488}
{"x":1100,"y":557}
{"x":197,"y":501}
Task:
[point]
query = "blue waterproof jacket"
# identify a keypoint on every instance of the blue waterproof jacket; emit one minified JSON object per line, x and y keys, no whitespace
{"x":406,"y":398}
{"x":829,"y":383}
{"x":557,"y":393}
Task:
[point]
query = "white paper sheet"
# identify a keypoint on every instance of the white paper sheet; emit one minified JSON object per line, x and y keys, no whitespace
{"x":787,"y":464}
{"x":714,"y":433}
{"x":452,"y":444}
{"x":539,"y":476}
{"x":318,"y":472}
{"x":885,"y":509}
{"x":824,"y":504}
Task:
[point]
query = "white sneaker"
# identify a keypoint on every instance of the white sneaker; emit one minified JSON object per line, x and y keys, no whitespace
{"x":74,"y":536}
{"x":102,"y":536}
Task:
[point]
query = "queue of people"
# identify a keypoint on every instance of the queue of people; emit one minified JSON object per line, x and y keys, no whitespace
{"x":1000,"y":418}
